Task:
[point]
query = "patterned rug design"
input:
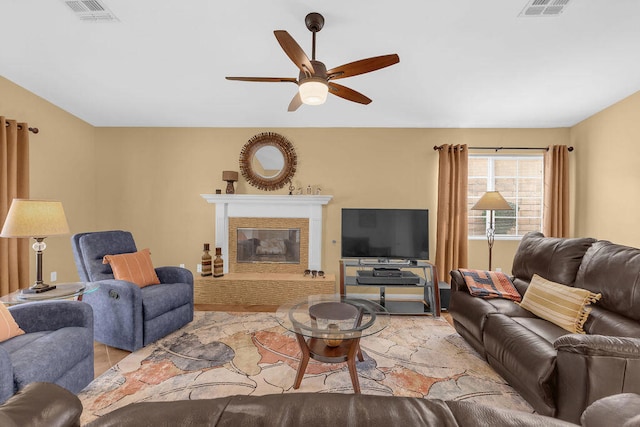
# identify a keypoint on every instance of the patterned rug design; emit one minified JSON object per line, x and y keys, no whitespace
{"x":221,"y":354}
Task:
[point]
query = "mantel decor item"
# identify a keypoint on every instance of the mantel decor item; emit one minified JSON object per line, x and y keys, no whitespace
{"x":230,"y":177}
{"x":491,"y":201}
{"x":268,"y":161}
{"x":38,"y":219}
{"x":218,"y":264}
{"x":206,"y":261}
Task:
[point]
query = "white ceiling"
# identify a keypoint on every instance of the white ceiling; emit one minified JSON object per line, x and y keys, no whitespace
{"x":463,"y":63}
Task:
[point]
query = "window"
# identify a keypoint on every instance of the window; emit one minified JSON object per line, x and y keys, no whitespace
{"x":520,"y":181}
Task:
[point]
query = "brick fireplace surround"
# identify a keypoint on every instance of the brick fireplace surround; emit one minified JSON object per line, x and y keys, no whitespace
{"x":265,"y":283}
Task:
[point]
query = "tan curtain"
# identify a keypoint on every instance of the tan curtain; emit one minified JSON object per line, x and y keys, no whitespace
{"x":556,"y":192}
{"x":14,"y":183}
{"x":452,"y":231}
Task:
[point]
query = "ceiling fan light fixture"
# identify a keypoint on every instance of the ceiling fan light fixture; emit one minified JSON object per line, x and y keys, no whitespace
{"x":313,"y":91}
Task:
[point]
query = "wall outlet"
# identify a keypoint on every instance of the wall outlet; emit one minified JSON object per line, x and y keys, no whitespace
{"x":181,"y":265}
{"x":54,"y":276}
{"x":498,"y":269}
{"x":199,"y":268}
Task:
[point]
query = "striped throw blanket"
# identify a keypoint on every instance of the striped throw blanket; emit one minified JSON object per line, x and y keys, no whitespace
{"x":490,"y":284}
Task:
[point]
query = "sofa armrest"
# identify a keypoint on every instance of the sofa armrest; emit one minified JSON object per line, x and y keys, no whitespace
{"x":174,"y":275}
{"x":457,"y":281}
{"x":52,"y":315}
{"x":599,"y":345}
{"x":41,"y":405}
{"x":613,"y":410}
{"x":590,"y":367}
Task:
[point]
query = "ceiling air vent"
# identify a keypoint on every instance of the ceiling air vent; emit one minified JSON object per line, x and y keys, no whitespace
{"x":91,"y":10}
{"x":539,"y":8}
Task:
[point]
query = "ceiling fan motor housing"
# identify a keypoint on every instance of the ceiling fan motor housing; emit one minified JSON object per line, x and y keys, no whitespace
{"x":320,"y":72}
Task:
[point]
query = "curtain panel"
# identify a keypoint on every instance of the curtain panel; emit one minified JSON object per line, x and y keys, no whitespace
{"x":556,"y":192}
{"x":14,"y":184}
{"x":452,"y":221}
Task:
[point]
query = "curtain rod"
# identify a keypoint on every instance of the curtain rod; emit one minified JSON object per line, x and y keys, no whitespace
{"x":34,"y":130}
{"x":439,"y":147}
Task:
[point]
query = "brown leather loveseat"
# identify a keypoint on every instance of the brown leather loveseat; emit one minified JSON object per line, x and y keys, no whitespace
{"x":49,"y":405}
{"x":560,"y":373}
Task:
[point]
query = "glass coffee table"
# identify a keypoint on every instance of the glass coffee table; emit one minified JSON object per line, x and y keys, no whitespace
{"x":328,"y":329}
{"x":62,"y":291}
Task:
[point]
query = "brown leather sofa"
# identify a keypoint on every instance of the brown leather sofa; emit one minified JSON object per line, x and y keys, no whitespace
{"x":557,"y":372}
{"x":46,"y":404}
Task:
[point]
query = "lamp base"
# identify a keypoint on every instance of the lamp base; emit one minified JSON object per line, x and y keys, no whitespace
{"x":39,"y":289}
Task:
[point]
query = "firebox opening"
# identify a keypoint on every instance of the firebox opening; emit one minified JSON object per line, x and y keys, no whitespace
{"x":268,"y":245}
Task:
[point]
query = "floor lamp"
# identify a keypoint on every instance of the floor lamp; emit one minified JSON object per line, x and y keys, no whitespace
{"x":491,"y":201}
{"x":37,"y":219}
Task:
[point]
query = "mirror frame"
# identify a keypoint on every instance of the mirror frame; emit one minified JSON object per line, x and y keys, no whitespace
{"x":268,"y":139}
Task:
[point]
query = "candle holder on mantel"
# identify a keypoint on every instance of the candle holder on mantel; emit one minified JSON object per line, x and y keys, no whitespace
{"x":230,"y":177}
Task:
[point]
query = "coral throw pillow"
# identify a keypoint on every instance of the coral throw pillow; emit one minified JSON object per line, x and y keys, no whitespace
{"x":559,"y":304}
{"x":8,"y":326}
{"x":135,"y":267}
{"x":489,"y":284}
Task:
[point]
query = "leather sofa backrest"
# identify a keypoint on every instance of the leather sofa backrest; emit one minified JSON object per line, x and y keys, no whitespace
{"x":555,"y":259}
{"x":614,"y":271}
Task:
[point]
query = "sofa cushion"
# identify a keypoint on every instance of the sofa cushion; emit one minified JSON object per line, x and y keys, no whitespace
{"x":605,"y":322}
{"x":555,"y":259}
{"x":526,"y":360}
{"x":44,"y":359}
{"x":614,"y":271}
{"x":162,"y":298}
{"x":561,"y":305}
{"x":8,"y":326}
{"x":133,"y":267}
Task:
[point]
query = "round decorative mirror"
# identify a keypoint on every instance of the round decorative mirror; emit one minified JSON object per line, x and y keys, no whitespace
{"x":268,"y":161}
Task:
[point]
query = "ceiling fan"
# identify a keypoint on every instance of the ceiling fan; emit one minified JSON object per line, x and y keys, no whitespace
{"x":314,"y":80}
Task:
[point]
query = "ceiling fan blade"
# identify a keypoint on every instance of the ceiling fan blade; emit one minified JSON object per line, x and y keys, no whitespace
{"x":264,"y":79}
{"x":294,"y":51}
{"x":363,"y":66}
{"x":348,"y":94}
{"x":295,"y":103}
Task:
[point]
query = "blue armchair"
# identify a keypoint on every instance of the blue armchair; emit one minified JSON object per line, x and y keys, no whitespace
{"x":127,"y":316}
{"x":57,"y":347}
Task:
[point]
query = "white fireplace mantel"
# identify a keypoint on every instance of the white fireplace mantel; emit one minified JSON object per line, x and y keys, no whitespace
{"x":269,"y":206}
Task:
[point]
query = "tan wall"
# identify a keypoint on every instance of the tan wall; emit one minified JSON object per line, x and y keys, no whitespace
{"x":608,"y":175}
{"x":151,"y":179}
{"x":61,"y":168}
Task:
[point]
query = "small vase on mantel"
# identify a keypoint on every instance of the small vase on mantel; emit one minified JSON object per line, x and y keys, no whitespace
{"x":206,"y":261}
{"x":218,"y":264}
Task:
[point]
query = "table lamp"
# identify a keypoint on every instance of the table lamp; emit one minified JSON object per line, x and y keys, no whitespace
{"x":230,"y":177}
{"x":491,"y":201}
{"x":37,"y":219}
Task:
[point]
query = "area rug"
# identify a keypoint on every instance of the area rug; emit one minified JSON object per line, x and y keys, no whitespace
{"x":222,"y":354}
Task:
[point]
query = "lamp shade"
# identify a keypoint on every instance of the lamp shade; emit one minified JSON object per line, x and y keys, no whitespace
{"x":229,"y":175}
{"x":313,"y":92}
{"x":35,"y":218}
{"x":492,"y":200}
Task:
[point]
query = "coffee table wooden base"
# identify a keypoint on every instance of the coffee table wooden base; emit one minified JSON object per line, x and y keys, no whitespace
{"x":315,"y":348}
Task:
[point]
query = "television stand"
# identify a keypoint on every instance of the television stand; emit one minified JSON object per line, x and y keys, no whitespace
{"x":418,"y":275}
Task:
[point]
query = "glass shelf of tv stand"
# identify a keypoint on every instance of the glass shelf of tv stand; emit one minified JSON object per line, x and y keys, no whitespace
{"x":430,"y":302}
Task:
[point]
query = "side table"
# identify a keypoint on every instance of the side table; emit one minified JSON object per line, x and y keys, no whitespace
{"x":62,"y":291}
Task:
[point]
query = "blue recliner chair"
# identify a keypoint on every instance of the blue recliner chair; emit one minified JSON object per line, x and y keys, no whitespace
{"x":57,"y":347}
{"x":127,"y":316}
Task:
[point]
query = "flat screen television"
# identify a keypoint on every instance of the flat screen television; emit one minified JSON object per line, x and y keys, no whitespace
{"x":398,"y":234}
